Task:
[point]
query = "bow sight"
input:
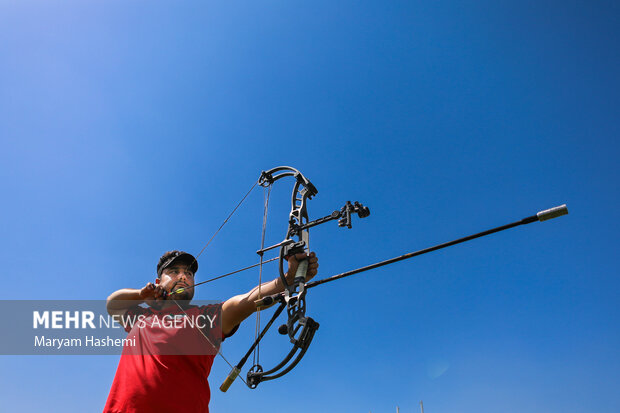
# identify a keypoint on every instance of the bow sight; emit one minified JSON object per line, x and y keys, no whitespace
{"x":348,"y":209}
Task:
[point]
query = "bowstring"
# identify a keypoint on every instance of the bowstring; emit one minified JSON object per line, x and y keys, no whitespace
{"x":225,"y":275}
{"x":223,"y":223}
{"x":219,"y":351}
{"x":266,"y":195}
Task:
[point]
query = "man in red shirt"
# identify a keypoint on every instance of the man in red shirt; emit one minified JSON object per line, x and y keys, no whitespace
{"x":167,"y":369}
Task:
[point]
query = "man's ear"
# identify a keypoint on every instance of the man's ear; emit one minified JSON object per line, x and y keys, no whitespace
{"x":157,"y":280}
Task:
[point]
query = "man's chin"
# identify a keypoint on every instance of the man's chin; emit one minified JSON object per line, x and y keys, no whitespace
{"x":183,"y":296}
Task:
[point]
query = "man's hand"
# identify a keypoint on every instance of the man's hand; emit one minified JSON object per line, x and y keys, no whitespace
{"x":153,"y":295}
{"x":293,"y":263}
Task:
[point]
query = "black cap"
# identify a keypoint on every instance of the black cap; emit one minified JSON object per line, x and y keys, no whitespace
{"x":171,"y":257}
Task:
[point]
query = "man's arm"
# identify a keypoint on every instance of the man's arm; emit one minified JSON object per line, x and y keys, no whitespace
{"x":122,"y":300}
{"x":240,"y":307}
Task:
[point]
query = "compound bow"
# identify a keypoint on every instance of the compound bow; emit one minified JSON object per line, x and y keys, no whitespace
{"x":299,"y":327}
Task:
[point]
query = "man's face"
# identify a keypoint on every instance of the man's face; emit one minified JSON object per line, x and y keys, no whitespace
{"x":176,"y":276}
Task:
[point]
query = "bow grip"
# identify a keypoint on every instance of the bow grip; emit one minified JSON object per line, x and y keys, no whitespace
{"x":302,"y":270}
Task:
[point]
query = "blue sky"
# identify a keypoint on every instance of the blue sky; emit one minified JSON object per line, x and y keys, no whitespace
{"x":131,"y":128}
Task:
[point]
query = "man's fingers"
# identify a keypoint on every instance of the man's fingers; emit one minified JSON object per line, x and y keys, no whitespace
{"x":148,"y":291}
{"x":160,"y":293}
{"x":302,"y":256}
{"x":313,"y":263}
{"x":313,"y":269}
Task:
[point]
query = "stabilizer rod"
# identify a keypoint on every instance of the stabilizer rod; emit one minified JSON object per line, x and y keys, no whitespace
{"x":540,"y":216}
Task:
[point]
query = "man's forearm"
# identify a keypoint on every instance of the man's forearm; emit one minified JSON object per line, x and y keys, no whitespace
{"x":240,"y":307}
{"x":124,"y":299}
{"x":269,"y":288}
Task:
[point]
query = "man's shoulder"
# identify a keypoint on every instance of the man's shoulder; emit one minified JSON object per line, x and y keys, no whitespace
{"x":206,"y":308}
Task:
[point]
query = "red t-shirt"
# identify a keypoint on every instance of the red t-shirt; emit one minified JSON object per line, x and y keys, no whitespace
{"x":159,"y":374}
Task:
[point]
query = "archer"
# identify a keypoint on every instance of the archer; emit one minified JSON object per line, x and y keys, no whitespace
{"x":148,"y":381}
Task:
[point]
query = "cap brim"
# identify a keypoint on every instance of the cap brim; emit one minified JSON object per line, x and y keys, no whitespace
{"x":184,"y":257}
